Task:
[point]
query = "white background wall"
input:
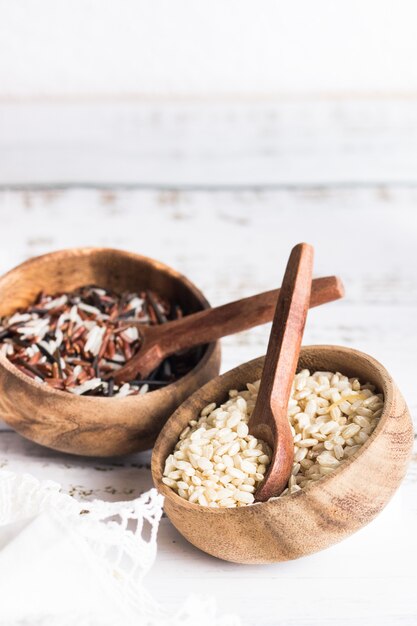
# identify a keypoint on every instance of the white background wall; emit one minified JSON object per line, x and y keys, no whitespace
{"x":208,"y":92}
{"x":200,"y":48}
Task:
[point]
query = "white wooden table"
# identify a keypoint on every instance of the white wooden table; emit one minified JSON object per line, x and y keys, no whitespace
{"x":341,"y":176}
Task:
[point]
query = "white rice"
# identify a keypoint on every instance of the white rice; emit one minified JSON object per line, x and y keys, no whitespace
{"x":217,"y":463}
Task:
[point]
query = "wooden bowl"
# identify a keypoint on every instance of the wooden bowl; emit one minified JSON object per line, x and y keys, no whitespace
{"x":324,"y":512}
{"x":88,"y":425}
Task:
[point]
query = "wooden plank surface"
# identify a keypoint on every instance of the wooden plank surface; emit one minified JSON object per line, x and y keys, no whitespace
{"x":223,"y":143}
{"x":232,"y":244}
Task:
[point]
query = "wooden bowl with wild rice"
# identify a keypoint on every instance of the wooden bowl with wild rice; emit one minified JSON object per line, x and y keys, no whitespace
{"x":40,"y":407}
{"x":318,"y":509}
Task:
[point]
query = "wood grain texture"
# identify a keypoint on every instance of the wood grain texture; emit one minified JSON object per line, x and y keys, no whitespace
{"x":203,"y":327}
{"x":269,"y":421}
{"x":88,"y":425}
{"x":323,"y":513}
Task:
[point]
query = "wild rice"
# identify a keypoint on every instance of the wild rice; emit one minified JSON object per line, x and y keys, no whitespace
{"x":73,"y":341}
{"x":217,"y":463}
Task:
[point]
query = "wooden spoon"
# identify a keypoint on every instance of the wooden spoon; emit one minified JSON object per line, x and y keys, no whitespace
{"x":269,"y":420}
{"x":161,"y":341}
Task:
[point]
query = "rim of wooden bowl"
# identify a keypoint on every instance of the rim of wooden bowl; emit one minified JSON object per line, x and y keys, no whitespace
{"x":387,"y":389}
{"x":70,"y":397}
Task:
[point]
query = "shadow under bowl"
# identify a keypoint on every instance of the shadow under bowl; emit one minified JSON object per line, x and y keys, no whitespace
{"x":95,"y":426}
{"x":316,"y":517}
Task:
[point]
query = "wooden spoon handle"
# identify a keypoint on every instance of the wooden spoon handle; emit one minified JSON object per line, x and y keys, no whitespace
{"x":269,"y":420}
{"x":212,"y":324}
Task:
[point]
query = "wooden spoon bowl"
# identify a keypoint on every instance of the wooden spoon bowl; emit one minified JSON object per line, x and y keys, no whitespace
{"x":316,"y":517}
{"x":95,"y":426}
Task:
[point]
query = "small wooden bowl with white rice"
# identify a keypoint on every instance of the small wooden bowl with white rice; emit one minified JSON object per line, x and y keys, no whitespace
{"x":320,"y":513}
{"x":95,"y":426}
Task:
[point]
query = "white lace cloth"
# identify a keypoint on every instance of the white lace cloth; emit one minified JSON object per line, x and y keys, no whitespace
{"x":65,"y":562}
